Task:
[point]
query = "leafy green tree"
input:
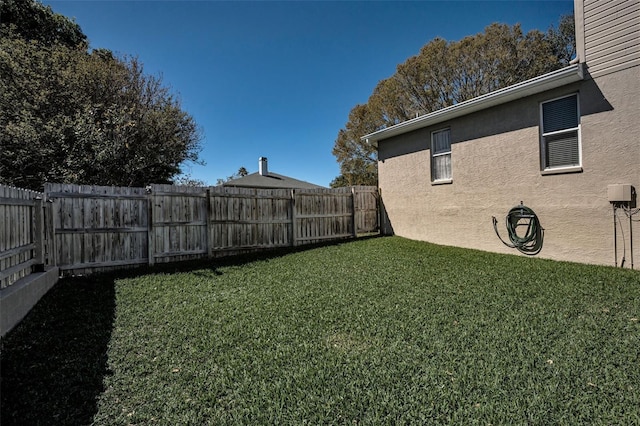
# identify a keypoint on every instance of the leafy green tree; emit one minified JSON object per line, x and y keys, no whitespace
{"x":391,"y":103}
{"x":77,"y":117}
{"x":32,"y":20}
{"x":358,"y":161}
{"x":443,"y":74}
{"x":562,"y":39}
{"x":132,"y":126}
{"x":32,"y":117}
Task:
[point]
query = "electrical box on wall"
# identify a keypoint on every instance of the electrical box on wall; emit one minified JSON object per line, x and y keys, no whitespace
{"x":620,"y":192}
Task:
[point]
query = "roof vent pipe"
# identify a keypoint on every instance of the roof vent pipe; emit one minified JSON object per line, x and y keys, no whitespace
{"x":262,"y":166}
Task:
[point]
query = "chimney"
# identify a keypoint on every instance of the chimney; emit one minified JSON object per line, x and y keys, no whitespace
{"x":262,"y":166}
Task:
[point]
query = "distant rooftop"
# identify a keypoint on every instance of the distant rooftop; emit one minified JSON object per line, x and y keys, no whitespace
{"x":266,"y":179}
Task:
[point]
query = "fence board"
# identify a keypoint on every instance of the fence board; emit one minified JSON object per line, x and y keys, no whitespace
{"x":322,"y":214}
{"x":248,"y":218}
{"x":366,"y":211}
{"x":17,"y":251}
{"x":178,"y":223}
{"x":20,"y":244}
{"x":95,"y":228}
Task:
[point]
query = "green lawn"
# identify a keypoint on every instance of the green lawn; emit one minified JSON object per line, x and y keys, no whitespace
{"x":375,"y":331}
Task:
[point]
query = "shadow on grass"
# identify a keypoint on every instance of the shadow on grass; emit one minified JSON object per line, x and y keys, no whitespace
{"x":53,"y":364}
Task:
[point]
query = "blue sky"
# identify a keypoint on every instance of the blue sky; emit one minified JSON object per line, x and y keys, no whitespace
{"x":278,"y":79}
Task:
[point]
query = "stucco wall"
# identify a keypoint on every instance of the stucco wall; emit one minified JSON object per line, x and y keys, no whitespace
{"x":496,"y":164}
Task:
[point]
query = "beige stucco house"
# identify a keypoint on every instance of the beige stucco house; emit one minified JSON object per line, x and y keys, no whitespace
{"x":559,"y":143}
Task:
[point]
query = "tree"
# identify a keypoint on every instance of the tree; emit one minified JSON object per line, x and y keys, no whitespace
{"x":132,"y":126}
{"x":188,"y":180}
{"x":443,"y":74}
{"x":563,"y":39}
{"x":31,"y":20}
{"x":358,"y":161}
{"x":73,"y":116}
{"x":242,"y":171}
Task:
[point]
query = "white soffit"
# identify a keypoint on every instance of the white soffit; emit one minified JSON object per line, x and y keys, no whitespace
{"x":545,"y":82}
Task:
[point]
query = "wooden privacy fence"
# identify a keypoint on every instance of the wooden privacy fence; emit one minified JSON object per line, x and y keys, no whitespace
{"x":98,"y":228}
{"x":24,"y":237}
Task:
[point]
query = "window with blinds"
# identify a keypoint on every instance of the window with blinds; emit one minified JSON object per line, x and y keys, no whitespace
{"x":441,"y":156}
{"x":560,"y":140}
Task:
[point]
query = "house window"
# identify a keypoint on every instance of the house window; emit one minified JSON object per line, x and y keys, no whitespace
{"x":441,"y":156}
{"x":560,"y":140}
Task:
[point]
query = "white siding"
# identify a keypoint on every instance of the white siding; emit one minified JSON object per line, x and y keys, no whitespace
{"x":612,"y":35}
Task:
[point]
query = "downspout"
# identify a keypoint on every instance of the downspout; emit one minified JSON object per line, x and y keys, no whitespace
{"x":633,"y":198}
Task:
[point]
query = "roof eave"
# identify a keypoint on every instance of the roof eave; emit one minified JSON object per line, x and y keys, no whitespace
{"x":539,"y":84}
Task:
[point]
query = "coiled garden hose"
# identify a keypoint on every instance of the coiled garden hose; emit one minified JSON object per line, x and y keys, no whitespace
{"x":531,"y":242}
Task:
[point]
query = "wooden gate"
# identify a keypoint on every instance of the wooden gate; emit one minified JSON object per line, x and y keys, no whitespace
{"x":99,"y":227}
{"x":178,"y":223}
{"x":22,"y":233}
{"x":322,"y":214}
{"x":249,"y":218}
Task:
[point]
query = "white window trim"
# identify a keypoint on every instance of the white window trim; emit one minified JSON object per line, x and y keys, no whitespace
{"x":441,"y":181}
{"x":544,"y":170}
{"x":560,"y":170}
{"x":432,"y":156}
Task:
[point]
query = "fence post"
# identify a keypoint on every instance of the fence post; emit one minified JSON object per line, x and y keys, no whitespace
{"x":50,"y":232}
{"x":208,"y":224}
{"x":50,"y":256}
{"x":150,"y":232}
{"x":378,"y":211}
{"x":353,"y":212}
{"x":38,"y":234}
{"x":294,"y":225}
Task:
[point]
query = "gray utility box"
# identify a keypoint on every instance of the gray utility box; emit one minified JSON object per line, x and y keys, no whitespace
{"x":620,"y":192}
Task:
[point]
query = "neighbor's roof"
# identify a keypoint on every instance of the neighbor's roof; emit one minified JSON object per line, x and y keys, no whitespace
{"x":539,"y":84}
{"x":271,"y":180}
